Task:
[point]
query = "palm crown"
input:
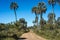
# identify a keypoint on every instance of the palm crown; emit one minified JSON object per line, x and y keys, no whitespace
{"x":42,"y":7}
{"x":13,"y":5}
{"x":52,"y":2}
{"x":35,"y":10}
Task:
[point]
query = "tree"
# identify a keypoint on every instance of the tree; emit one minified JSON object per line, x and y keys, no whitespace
{"x":50,"y":18}
{"x":50,"y":21}
{"x":2,"y":26}
{"x":23,"y":24}
{"x":41,"y":9}
{"x":58,"y":22}
{"x":35,"y":10}
{"x":52,"y":3}
{"x":14,"y":6}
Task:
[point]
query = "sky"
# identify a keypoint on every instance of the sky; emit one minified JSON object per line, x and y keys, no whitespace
{"x":24,"y":10}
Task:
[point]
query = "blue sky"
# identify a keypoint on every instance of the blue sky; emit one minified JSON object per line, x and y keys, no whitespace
{"x":24,"y":10}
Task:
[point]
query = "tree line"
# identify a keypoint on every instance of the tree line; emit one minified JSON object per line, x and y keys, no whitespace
{"x":49,"y":29}
{"x":40,"y":9}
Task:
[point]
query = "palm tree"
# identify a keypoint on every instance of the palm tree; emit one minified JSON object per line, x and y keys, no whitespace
{"x":52,"y":3}
{"x":41,"y":9}
{"x":50,"y":18}
{"x":35,"y":10}
{"x":14,"y":6}
{"x":50,"y":21}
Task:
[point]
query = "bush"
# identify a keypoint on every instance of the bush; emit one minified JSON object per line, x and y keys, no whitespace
{"x":8,"y":39}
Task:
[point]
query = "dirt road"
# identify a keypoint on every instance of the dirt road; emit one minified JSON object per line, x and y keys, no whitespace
{"x":31,"y":36}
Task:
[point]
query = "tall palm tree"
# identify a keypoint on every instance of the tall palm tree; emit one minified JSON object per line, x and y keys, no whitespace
{"x":41,"y":9}
{"x":14,"y":6}
{"x":52,"y":3}
{"x":35,"y":10}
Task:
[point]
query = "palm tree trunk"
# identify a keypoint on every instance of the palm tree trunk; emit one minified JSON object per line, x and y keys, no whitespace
{"x":15,"y":15}
{"x":53,"y":13}
{"x":41,"y":15}
{"x":40,"y":20}
{"x":37,"y":20}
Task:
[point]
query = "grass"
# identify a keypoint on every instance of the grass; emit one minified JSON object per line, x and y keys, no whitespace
{"x":49,"y":34}
{"x":8,"y":39}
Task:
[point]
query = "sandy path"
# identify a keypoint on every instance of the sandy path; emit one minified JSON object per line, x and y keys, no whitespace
{"x":31,"y":36}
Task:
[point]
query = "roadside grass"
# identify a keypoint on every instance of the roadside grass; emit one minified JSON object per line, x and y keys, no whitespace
{"x":49,"y":34}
